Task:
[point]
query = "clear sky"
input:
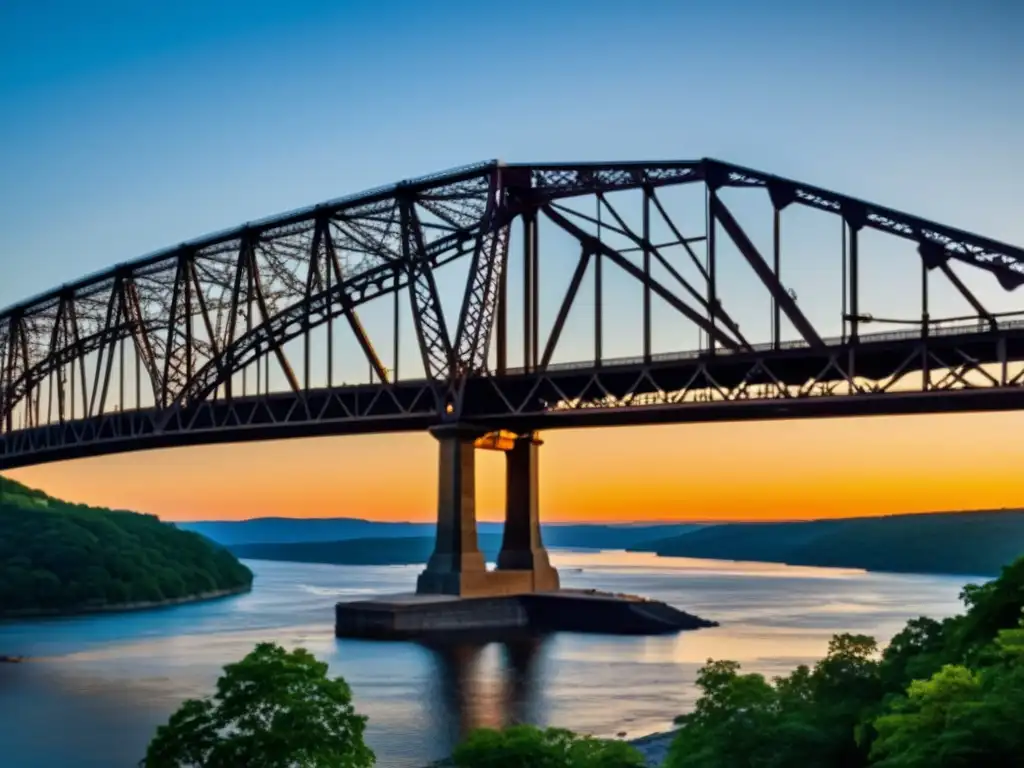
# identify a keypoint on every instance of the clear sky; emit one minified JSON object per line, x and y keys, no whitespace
{"x":127,"y":127}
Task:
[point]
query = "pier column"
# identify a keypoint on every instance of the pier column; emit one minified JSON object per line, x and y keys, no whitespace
{"x":522,"y":548}
{"x":457,"y":566}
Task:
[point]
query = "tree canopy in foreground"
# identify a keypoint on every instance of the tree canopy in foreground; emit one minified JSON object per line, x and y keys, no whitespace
{"x":273,"y":709}
{"x":943,"y":694}
{"x":525,"y":746}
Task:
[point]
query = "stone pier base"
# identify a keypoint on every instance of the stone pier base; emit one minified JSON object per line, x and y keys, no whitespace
{"x":403,"y":617}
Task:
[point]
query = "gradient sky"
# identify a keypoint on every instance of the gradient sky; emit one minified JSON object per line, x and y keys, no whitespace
{"x":127,"y":127}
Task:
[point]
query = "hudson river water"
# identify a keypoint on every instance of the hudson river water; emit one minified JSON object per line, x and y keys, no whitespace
{"x":99,"y":685}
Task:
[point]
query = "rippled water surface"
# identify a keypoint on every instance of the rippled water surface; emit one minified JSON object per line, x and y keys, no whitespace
{"x":99,"y":685}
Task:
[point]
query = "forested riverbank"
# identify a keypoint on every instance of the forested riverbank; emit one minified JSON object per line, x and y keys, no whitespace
{"x":60,"y":558}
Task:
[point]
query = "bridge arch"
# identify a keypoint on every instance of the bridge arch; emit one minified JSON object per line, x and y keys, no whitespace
{"x":196,"y":314}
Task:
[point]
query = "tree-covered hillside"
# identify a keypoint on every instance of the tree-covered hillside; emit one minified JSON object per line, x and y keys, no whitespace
{"x":57,"y":557}
{"x":970,"y":543}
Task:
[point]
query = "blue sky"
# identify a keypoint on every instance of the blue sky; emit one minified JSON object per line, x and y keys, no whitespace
{"x":128,"y":127}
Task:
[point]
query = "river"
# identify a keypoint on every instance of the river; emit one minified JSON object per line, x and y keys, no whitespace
{"x":99,"y":685}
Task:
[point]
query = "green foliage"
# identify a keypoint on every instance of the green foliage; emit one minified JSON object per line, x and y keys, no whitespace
{"x":273,"y":709}
{"x":62,"y":557}
{"x":959,"y":716}
{"x":524,"y":746}
{"x":730,"y":721}
{"x":916,"y":652}
{"x":944,"y":694}
{"x":991,"y":607}
{"x":807,"y":718}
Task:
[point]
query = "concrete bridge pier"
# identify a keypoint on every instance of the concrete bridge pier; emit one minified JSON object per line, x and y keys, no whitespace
{"x":522,"y":548}
{"x":457,"y":566}
{"x":457,"y":594}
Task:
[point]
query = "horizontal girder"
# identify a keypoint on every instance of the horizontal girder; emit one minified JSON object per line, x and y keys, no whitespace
{"x":962,"y":371}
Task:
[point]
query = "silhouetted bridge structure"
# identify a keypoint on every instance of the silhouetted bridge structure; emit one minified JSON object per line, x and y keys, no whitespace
{"x":495,"y":300}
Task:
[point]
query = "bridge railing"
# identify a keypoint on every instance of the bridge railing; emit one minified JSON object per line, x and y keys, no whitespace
{"x":956,"y":329}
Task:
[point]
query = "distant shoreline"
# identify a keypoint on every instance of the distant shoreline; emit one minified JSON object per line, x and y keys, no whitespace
{"x":54,"y":613}
{"x":367,"y":561}
{"x":889,"y":571}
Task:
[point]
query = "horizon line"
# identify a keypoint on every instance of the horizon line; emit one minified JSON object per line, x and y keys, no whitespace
{"x":639,"y":523}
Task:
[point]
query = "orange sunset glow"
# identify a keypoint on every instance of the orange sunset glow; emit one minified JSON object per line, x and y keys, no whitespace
{"x":754,"y":470}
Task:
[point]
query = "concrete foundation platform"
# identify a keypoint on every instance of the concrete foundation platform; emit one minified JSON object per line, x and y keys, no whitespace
{"x":418,"y":616}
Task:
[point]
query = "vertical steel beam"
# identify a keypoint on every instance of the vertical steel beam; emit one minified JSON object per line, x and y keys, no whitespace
{"x":535,"y":293}
{"x":598,"y":292}
{"x":138,"y":378}
{"x":314,"y":283}
{"x":851,"y":363}
{"x":8,"y":385}
{"x":647,"y":272}
{"x":188,"y":320}
{"x":23,"y":336}
{"x":854,"y":285}
{"x":328,"y":280}
{"x":529,"y":225}
{"x":925,"y":330}
{"x":120,"y":369}
{"x":501,"y":353}
{"x":777,"y":270}
{"x":396,"y":319}
{"x":711,"y":200}
{"x":63,"y":393}
{"x":73,"y":336}
{"x":249,"y":291}
{"x":845,"y":289}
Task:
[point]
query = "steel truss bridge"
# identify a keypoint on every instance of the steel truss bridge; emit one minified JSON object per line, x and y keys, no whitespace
{"x":237,"y":336}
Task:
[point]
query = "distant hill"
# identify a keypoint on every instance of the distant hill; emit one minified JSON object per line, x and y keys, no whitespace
{"x":284,"y":530}
{"x":969,"y":543}
{"x":394,"y":550}
{"x":59,"y":557}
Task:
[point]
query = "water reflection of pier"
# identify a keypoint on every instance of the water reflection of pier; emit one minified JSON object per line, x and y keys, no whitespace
{"x":468,"y":695}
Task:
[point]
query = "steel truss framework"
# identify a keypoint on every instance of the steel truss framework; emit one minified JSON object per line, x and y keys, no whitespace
{"x":179,"y":332}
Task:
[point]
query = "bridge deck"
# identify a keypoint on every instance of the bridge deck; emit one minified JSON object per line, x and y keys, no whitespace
{"x":880,"y":374}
